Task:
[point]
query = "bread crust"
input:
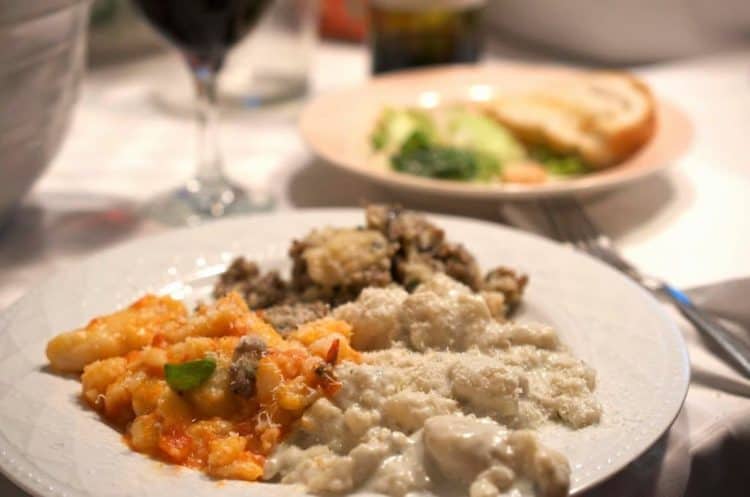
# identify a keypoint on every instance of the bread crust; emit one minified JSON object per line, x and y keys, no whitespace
{"x":629,"y":140}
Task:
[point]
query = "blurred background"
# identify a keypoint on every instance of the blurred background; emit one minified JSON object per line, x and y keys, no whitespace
{"x":97,"y":130}
{"x":138,"y":97}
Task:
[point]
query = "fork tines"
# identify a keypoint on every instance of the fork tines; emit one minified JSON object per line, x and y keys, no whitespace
{"x":569,"y":223}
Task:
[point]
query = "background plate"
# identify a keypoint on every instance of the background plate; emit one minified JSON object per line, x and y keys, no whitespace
{"x":52,"y":446}
{"x":338,"y":125}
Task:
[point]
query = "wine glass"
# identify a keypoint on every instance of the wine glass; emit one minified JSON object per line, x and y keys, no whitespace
{"x":204,"y":31}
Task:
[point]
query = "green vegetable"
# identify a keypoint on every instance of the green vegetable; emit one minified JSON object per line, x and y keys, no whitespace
{"x":189,"y":375}
{"x":438,"y":162}
{"x":559,"y":164}
{"x":395,"y":126}
{"x":378,"y":139}
{"x":460,"y":144}
{"x":418,"y":140}
{"x":566,"y":166}
{"x":472,"y":130}
{"x":421,"y":158}
{"x":487,"y":167}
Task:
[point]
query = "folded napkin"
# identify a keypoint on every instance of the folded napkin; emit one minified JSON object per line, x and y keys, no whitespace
{"x":706,"y":450}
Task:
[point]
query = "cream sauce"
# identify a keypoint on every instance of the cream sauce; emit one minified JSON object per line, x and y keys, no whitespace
{"x":446,"y":395}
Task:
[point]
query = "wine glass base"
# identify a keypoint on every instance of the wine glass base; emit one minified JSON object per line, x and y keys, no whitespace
{"x":187,"y":207}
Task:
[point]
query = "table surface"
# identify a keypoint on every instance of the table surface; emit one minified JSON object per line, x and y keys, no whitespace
{"x":688,"y":225}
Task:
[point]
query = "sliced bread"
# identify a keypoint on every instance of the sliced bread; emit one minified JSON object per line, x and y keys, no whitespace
{"x":601,"y":116}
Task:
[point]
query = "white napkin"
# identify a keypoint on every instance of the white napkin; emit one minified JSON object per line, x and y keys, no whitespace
{"x":705,"y":453}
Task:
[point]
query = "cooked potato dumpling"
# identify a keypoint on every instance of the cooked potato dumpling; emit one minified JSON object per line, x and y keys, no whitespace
{"x":224,"y":431}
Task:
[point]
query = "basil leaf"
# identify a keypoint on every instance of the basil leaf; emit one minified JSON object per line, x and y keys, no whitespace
{"x":189,"y":375}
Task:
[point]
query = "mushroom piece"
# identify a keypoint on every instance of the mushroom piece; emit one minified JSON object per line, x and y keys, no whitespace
{"x":245,"y":364}
{"x":286,"y":318}
{"x":507,"y":282}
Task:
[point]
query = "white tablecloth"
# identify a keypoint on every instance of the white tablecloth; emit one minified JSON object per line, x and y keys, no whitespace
{"x":690,"y":226}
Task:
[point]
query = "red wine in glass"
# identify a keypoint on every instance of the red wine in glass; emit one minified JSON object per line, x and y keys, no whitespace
{"x":204,"y":31}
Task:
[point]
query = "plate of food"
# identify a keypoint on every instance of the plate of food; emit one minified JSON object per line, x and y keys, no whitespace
{"x":334,"y":352}
{"x":498,"y":131}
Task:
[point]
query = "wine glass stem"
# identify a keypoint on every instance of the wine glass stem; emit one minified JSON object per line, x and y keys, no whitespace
{"x":210,"y":164}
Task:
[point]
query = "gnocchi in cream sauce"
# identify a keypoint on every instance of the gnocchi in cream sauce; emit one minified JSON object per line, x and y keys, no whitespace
{"x":446,"y":398}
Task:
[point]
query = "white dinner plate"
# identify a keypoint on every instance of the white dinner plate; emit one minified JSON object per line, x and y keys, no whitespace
{"x":53,"y":446}
{"x":338,"y":126}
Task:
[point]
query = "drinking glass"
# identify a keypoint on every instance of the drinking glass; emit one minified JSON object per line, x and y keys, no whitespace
{"x":415,"y":33}
{"x":204,"y":31}
{"x":269,"y":68}
{"x":273,"y":65}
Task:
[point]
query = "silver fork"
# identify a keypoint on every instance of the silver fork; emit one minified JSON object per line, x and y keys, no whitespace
{"x":569,"y":223}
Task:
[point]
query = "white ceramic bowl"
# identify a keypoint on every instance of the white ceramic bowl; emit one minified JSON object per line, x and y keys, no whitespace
{"x":42,"y":52}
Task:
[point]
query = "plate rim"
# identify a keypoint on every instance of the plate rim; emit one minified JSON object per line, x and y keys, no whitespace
{"x":589,"y":184}
{"x":40,"y":484}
